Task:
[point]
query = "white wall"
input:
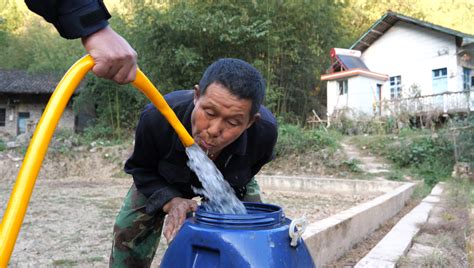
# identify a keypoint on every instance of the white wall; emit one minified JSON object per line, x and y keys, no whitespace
{"x":362,"y":94}
{"x":413,"y":52}
{"x":332,"y":96}
{"x":360,"y":97}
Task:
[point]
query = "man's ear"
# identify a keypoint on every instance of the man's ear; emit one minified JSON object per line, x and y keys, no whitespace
{"x":197,"y":93}
{"x":254,"y":119}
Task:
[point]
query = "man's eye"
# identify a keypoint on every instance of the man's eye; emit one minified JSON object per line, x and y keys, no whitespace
{"x":209,"y":113}
{"x":233,"y":123}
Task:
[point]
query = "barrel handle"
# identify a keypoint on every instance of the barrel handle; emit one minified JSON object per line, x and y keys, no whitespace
{"x":297,"y":228}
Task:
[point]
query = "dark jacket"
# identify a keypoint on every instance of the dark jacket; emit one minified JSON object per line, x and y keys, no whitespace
{"x":158,"y":163}
{"x":72,"y":18}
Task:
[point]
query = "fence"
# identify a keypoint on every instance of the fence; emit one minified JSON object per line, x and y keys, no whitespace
{"x":447,"y":102}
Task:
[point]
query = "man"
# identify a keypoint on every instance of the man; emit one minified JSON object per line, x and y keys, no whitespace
{"x":114,"y":58}
{"x":227,"y":120}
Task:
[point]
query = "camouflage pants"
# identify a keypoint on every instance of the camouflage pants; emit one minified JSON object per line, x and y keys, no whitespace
{"x":137,"y":234}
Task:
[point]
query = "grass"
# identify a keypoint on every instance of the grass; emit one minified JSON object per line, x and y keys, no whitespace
{"x":65,"y":262}
{"x":415,"y":153}
{"x":3,"y":146}
{"x":95,"y":259}
{"x":295,"y":139}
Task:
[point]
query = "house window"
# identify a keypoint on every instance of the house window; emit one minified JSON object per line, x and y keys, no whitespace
{"x":440,"y":80}
{"x":395,"y":87}
{"x":2,"y":117}
{"x":343,"y":87}
{"x":466,"y":85}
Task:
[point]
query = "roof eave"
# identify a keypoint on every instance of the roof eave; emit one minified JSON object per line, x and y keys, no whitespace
{"x":354,"y":72}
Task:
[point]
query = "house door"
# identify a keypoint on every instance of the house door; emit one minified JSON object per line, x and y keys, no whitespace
{"x":440,"y":85}
{"x":22,"y":122}
{"x":378,"y":100}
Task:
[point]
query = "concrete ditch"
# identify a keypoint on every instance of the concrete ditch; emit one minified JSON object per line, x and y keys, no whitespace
{"x":399,"y":240}
{"x":330,"y":238}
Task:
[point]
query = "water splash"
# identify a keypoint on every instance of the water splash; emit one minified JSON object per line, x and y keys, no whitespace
{"x":221,"y":197}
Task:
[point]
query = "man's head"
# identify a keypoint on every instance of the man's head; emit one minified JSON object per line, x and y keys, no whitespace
{"x":227,"y":102}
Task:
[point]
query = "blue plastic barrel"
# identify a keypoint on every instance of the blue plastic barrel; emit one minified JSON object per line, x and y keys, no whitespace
{"x":257,"y":239}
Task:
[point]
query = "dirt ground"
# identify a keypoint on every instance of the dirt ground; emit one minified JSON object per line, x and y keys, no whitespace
{"x":76,"y":198}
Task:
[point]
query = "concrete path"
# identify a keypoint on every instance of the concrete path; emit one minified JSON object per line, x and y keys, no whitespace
{"x":399,"y":240}
{"x":369,"y":164}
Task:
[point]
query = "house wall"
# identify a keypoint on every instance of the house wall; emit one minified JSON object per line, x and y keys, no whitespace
{"x":359,"y":99}
{"x":413,"y":52}
{"x":332,"y":96}
{"x":35,"y":105}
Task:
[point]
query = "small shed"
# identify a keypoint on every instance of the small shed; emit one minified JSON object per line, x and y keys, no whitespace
{"x":349,"y":71}
{"x":23,"y":98}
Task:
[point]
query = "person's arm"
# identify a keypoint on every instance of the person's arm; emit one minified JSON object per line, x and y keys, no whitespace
{"x":143,"y":163}
{"x":114,"y":58}
{"x":161,"y":196}
{"x":72,"y":18}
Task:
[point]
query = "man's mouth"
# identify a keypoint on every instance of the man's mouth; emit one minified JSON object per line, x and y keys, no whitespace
{"x":206,"y":146}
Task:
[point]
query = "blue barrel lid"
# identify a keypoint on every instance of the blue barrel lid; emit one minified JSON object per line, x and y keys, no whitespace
{"x":258,"y":215}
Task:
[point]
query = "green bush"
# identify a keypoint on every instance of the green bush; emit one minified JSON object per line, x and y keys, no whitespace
{"x":418,"y":151}
{"x":295,"y":139}
{"x":395,"y":175}
{"x":2,"y":146}
{"x":462,"y":132}
{"x":424,"y":155}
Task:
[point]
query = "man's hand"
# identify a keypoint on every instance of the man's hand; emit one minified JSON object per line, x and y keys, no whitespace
{"x":177,"y":208}
{"x":114,"y":58}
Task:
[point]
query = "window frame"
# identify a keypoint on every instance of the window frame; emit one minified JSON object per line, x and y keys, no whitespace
{"x":344,"y":89}
{"x":466,"y":80}
{"x":395,"y":83}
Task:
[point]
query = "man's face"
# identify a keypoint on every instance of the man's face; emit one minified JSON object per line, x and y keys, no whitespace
{"x":219,"y":118}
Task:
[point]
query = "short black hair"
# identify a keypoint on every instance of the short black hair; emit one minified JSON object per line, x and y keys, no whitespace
{"x":241,"y":78}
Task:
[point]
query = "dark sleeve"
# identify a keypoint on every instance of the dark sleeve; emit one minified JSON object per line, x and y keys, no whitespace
{"x":72,"y":18}
{"x":269,"y":136}
{"x":143,"y":164}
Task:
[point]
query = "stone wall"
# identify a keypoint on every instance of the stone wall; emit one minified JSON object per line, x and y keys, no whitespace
{"x":34,"y":105}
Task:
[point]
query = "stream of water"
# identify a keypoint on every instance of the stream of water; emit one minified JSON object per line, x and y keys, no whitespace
{"x":221,"y":197}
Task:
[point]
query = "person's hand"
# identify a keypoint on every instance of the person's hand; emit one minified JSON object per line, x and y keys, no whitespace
{"x":176,"y":208}
{"x":114,"y":58}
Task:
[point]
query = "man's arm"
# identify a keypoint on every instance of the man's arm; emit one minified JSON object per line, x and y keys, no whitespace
{"x":72,"y":18}
{"x":143,"y":163}
{"x":114,"y":58}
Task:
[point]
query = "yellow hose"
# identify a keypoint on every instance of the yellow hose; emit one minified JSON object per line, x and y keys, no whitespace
{"x":20,"y":196}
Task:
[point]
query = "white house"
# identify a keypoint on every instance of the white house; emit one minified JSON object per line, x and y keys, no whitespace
{"x":402,"y":63}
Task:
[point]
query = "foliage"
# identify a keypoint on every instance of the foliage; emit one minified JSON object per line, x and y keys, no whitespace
{"x":430,"y":157}
{"x":352,"y":165}
{"x":117,"y":107}
{"x":176,"y":40}
{"x":288,"y":41}
{"x":417,"y":150}
{"x":348,"y":123}
{"x":2,"y":146}
{"x":461,"y":132}
{"x":395,"y":175}
{"x":294,"y":139}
